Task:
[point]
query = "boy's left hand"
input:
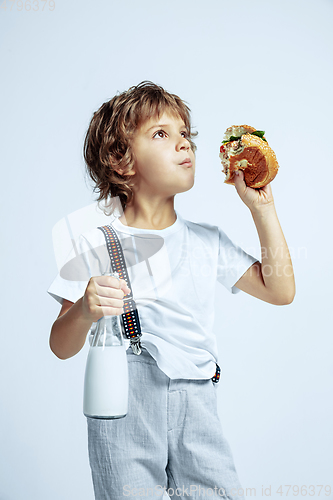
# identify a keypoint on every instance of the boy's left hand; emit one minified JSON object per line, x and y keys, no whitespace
{"x":254,"y":199}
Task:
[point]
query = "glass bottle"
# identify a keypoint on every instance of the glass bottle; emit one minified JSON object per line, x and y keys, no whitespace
{"x":106,"y":375}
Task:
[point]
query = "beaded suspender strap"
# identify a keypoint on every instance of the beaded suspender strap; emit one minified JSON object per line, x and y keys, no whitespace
{"x":130,"y":319}
{"x":217,"y":375}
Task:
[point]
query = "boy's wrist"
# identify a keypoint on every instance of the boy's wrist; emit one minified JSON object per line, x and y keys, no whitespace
{"x":83,"y":317}
{"x":263,"y":211}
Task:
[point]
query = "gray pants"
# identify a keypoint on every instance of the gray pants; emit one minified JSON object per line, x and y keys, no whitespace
{"x":171,"y":440}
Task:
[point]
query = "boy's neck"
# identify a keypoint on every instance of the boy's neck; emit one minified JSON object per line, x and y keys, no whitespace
{"x":148,"y":218}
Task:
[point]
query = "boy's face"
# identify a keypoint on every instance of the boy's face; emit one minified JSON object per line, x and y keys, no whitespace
{"x":160,"y":146}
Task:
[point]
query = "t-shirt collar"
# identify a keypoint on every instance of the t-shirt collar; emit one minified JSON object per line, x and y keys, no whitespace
{"x":176,"y":226}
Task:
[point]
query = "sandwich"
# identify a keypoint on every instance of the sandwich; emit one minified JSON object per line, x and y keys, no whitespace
{"x":245,"y":148}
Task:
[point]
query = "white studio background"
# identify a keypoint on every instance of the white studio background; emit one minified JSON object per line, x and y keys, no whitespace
{"x":263,"y":63}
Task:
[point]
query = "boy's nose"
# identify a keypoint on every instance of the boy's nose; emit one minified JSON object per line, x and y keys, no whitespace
{"x":183,"y":143}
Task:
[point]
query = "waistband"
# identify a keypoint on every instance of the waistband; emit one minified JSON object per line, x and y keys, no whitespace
{"x":146,"y":357}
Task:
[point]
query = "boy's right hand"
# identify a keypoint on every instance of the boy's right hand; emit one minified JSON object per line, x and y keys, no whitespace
{"x":104,"y":297}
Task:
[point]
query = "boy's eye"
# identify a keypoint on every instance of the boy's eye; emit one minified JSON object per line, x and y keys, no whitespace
{"x":159,"y":132}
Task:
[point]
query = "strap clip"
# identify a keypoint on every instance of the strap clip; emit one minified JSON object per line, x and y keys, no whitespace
{"x":136,"y":345}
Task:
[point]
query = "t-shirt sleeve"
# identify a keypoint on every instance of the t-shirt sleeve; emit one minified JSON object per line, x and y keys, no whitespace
{"x":232,"y":263}
{"x":82,"y":262}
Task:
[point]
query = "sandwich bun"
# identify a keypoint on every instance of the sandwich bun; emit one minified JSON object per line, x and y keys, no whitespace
{"x":241,"y":150}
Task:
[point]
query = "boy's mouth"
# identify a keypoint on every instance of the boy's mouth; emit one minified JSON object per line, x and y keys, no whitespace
{"x":186,"y":163}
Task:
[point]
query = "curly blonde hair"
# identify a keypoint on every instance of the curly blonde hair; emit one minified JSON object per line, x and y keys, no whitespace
{"x":107,"y":144}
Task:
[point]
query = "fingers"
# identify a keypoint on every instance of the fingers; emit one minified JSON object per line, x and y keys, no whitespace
{"x":239,"y":176}
{"x":104,"y":297}
{"x":111,"y":282}
{"x":124,"y":287}
{"x":267,"y":189}
{"x":239,"y":182}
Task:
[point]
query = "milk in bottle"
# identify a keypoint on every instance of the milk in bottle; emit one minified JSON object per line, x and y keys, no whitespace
{"x":106,"y":375}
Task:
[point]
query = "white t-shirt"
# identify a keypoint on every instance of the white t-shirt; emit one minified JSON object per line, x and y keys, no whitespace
{"x":173,"y":273}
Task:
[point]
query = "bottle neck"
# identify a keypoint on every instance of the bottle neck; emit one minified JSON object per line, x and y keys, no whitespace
{"x":108,"y":332}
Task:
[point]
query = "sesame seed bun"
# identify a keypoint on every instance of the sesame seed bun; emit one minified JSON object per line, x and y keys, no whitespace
{"x":251,"y":154}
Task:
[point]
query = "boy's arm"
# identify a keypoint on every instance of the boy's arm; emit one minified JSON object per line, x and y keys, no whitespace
{"x":69,"y":331}
{"x":103,"y":297}
{"x":273,"y":279}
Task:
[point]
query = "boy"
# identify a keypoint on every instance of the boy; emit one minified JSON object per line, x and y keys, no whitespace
{"x":139,"y":148}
